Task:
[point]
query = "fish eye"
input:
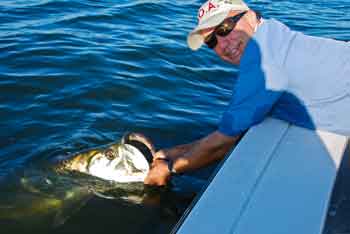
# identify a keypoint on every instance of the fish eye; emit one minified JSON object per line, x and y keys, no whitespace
{"x":109,"y":154}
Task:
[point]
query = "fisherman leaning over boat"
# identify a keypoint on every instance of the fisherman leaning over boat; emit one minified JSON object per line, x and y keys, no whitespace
{"x":301,"y":79}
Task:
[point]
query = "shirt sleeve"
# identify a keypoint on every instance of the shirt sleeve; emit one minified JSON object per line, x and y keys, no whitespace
{"x":256,"y":91}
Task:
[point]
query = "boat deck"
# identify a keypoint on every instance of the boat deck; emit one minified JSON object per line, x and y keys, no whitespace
{"x":278,"y":179}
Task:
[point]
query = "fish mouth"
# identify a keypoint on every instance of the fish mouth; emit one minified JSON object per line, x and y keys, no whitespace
{"x":142,"y":143}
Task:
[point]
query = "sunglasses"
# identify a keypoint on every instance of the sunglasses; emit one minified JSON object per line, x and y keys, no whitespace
{"x":223,"y":29}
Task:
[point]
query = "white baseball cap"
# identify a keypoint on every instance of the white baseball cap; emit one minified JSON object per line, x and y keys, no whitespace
{"x":211,"y":14}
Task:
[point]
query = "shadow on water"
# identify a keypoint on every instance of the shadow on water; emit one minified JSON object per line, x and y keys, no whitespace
{"x":121,"y":217}
{"x":72,"y":208}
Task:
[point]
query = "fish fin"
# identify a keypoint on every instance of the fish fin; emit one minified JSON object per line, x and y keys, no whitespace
{"x":73,"y":201}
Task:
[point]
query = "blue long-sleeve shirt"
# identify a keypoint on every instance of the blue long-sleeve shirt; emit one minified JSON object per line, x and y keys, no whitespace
{"x":302,"y":79}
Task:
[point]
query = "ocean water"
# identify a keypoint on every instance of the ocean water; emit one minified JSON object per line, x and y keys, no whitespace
{"x":78,"y":74}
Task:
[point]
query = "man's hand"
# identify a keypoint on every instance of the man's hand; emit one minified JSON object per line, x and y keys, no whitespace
{"x":159,"y":173}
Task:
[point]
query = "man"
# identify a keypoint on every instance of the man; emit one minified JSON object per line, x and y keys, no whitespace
{"x":301,"y":79}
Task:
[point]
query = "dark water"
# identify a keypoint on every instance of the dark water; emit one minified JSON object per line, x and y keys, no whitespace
{"x":77,"y":74}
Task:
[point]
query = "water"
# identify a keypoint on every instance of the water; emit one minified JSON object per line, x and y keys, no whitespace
{"x":77,"y":74}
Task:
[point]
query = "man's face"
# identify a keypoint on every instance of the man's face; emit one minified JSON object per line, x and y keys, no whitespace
{"x":231,"y":47}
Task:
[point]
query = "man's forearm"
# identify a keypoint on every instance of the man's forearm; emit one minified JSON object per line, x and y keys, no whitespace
{"x":176,"y":151}
{"x":189,"y":157}
{"x":200,"y":153}
{"x":199,"y":156}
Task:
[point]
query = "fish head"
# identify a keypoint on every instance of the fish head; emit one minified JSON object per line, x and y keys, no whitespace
{"x":122,"y":163}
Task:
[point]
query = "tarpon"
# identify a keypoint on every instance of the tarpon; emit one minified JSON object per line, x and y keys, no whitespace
{"x":52,"y":193}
